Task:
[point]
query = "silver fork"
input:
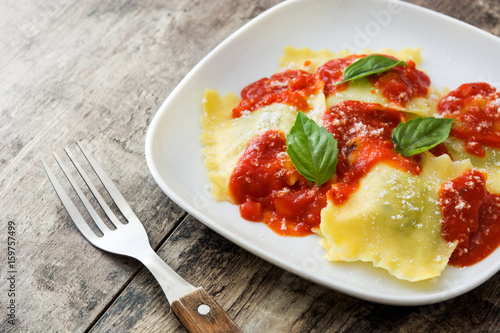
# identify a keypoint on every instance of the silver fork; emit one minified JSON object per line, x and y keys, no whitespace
{"x":194,"y":307}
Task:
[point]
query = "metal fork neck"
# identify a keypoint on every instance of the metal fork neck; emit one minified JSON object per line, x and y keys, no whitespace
{"x":173,"y":285}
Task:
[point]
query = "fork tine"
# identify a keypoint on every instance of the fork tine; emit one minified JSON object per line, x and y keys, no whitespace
{"x":97,"y":219}
{"x":118,"y":198}
{"x":93,"y":189}
{"x":73,"y":212}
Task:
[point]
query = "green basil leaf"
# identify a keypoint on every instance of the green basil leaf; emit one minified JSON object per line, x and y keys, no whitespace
{"x":372,"y":64}
{"x":312,"y":149}
{"x":420,"y":134}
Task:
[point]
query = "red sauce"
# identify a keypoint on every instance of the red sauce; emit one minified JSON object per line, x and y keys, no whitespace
{"x":402,"y":83}
{"x":291,"y":87}
{"x":441,"y":149}
{"x":268,"y":188}
{"x":332,"y":72}
{"x":470,"y":217}
{"x":398,"y":85}
{"x":474,"y":106}
{"x":363,"y":132}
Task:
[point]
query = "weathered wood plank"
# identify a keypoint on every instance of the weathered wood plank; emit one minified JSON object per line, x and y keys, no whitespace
{"x":263,"y":298}
{"x":482,"y":14}
{"x":97,"y":72}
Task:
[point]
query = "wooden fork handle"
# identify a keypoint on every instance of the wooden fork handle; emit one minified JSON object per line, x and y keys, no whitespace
{"x":199,"y":313}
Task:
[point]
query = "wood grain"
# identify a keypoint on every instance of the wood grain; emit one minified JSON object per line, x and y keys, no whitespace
{"x":196,"y":319}
{"x":263,"y":298}
{"x":97,"y":72}
{"x":482,"y":14}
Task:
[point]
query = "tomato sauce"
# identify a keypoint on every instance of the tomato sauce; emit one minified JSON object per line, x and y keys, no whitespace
{"x":474,"y":106}
{"x":402,"y":83}
{"x":291,"y":87}
{"x":470,"y":217}
{"x":363,"y":132}
{"x":439,"y":150}
{"x":268,"y":188}
{"x":332,"y":72}
{"x":398,"y":85}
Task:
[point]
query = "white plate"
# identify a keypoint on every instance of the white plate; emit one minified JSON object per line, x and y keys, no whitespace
{"x":453,"y":52}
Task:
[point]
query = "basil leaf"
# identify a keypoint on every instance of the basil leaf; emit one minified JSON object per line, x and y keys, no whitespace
{"x":369,"y":65}
{"x":420,"y":134}
{"x":312,"y":149}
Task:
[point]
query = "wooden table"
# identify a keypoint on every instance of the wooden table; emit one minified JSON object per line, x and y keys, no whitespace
{"x":97,"y":71}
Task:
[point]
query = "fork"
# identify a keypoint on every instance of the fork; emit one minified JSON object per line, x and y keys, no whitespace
{"x":194,"y":307}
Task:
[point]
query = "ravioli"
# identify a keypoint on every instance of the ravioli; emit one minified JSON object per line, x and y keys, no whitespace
{"x":393,"y":220}
{"x":360,"y":90}
{"x":221,"y":154}
{"x":225,"y":138}
{"x":489,"y":163}
{"x":390,"y":213}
